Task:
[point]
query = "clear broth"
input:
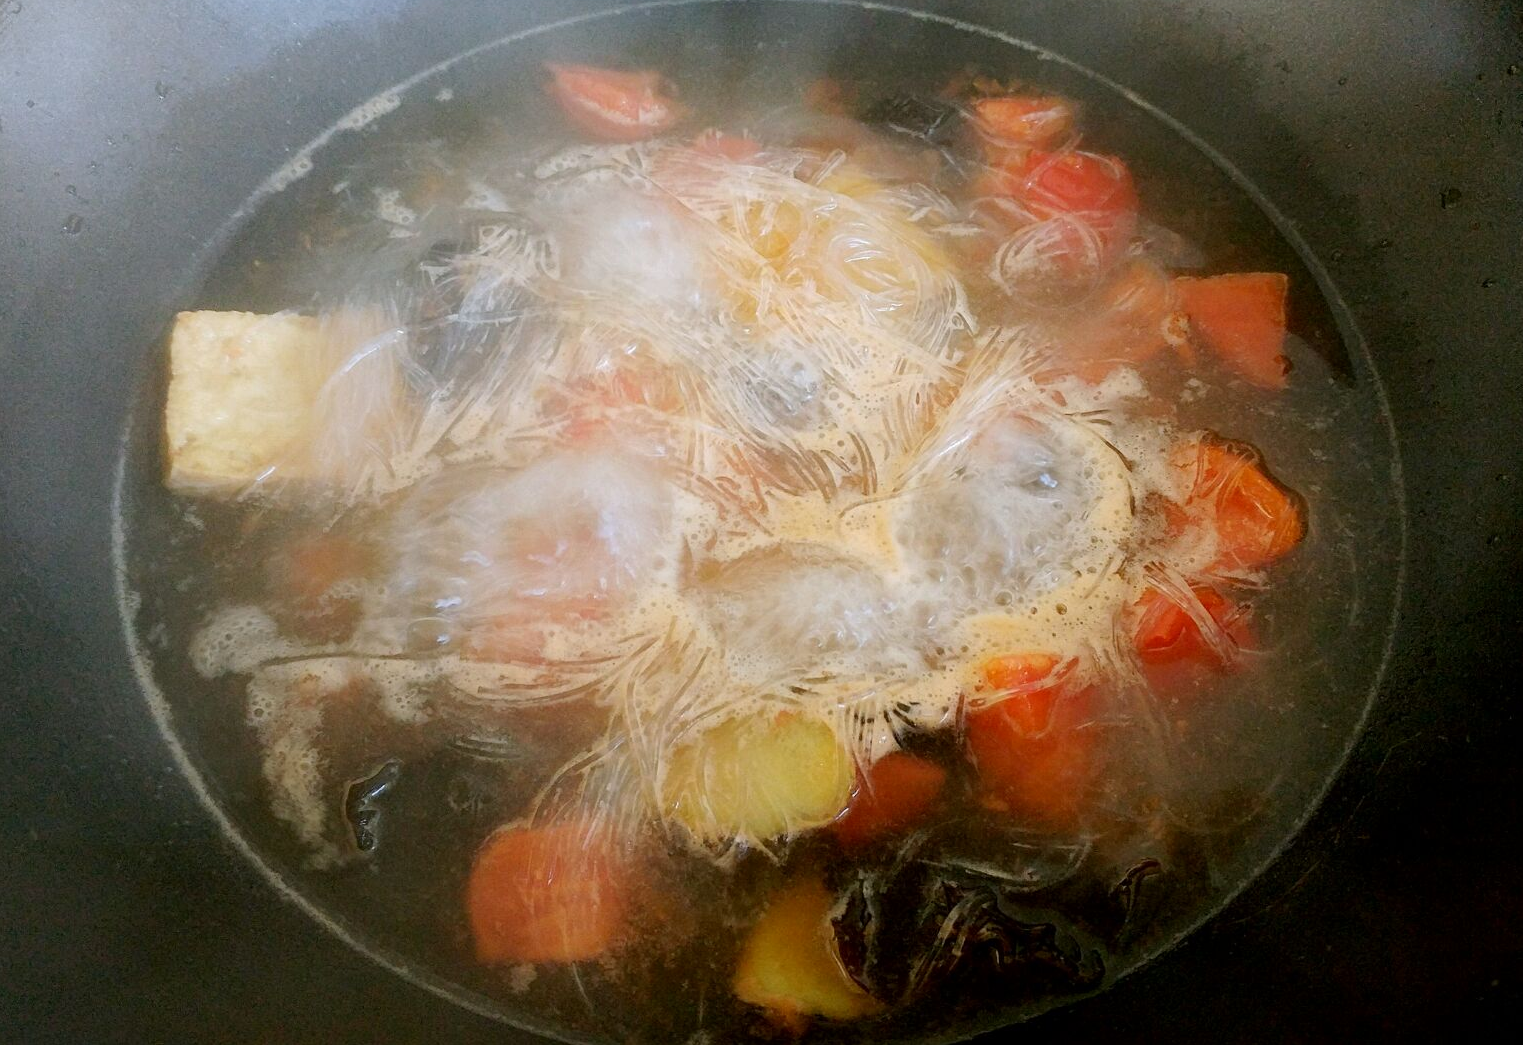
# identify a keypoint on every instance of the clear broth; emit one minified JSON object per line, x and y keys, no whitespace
{"x":1260,"y":760}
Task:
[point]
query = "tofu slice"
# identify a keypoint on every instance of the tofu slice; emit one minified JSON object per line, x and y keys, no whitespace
{"x":242,"y":390}
{"x":318,"y":401}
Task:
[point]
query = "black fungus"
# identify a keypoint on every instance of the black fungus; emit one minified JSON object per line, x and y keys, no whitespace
{"x":930,"y":120}
{"x":968,"y":910}
{"x":362,"y":804}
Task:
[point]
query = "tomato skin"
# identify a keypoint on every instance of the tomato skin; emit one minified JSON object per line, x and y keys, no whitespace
{"x":1034,"y":753}
{"x":547,"y":894}
{"x":1080,"y":206}
{"x":1129,"y":320}
{"x":1166,"y":633}
{"x":614,"y":105}
{"x":894,"y":794}
{"x":1010,"y":125}
{"x":1240,"y":318}
{"x":1256,"y":520}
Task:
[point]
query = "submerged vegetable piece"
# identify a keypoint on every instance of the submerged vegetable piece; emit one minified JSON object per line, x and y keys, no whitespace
{"x":548,"y":894}
{"x":315,"y":579}
{"x":830,"y":96}
{"x":1167,"y":632}
{"x":1179,"y":655}
{"x":624,"y":404}
{"x":1256,"y":520}
{"x":1029,"y":678}
{"x":1130,"y":319}
{"x":1094,"y":194}
{"x":758,"y":777}
{"x":928,"y":121}
{"x":1241,"y":319}
{"x":614,"y":105}
{"x":790,"y":966}
{"x":1096,"y":188}
{"x":737,"y":148}
{"x":487,"y":551}
{"x":1034,"y":752}
{"x":963,"y":916}
{"x":897,"y":792}
{"x":1009,"y":125}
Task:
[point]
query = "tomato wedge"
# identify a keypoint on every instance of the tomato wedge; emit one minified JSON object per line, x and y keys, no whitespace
{"x":1009,"y":125}
{"x":1166,"y":632}
{"x":1083,"y":206}
{"x":895,"y":793}
{"x":1028,"y":677}
{"x":548,"y":894}
{"x":1256,"y":519}
{"x":1131,"y":318}
{"x":1240,"y":318}
{"x":1095,"y":188}
{"x":1176,"y":656}
{"x":1034,"y":755}
{"x":613,"y":105}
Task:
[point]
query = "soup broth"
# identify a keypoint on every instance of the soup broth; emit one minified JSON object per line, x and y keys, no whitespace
{"x":715,"y":542}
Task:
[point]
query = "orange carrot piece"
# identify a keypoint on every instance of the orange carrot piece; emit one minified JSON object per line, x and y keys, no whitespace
{"x":548,"y":894}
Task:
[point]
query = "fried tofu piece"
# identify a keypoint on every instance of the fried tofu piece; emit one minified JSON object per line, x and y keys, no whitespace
{"x":242,"y":388}
{"x":317,"y":401}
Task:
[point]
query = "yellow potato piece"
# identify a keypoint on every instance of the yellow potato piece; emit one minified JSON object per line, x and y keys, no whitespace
{"x":790,"y":235}
{"x":849,"y":180}
{"x":757,"y":777}
{"x":770,"y":229}
{"x":789,"y":965}
{"x":857,"y":184}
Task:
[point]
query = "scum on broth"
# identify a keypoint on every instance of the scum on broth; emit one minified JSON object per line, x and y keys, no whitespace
{"x":627,"y":445}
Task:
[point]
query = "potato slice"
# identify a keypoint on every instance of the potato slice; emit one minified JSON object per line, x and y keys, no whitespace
{"x":757,"y":777}
{"x":789,"y":964}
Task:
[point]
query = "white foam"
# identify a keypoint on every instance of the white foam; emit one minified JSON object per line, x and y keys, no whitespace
{"x":390,"y":208}
{"x":369,"y":111}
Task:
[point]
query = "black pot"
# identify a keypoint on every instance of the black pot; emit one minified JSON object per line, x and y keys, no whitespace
{"x":1388,"y":132}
